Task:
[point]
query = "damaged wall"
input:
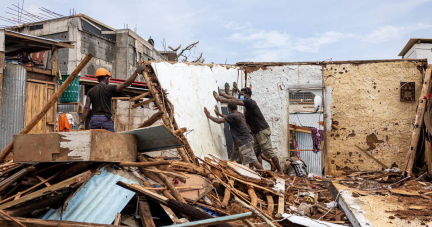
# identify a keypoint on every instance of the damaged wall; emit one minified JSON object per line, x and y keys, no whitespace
{"x":190,"y":88}
{"x":363,"y":108}
{"x":270,"y":88}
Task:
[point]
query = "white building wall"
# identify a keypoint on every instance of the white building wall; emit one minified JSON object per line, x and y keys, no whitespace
{"x":420,"y":51}
{"x":190,"y":89}
{"x":270,"y":88}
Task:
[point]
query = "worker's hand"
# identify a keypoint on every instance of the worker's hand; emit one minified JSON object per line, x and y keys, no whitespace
{"x":216,"y":110}
{"x":206,"y":112}
{"x":140,"y":69}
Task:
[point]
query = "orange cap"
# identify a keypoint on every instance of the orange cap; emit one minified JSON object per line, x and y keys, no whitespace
{"x":102,"y":72}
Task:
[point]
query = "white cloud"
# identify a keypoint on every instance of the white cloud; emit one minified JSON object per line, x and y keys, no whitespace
{"x":233,"y":25}
{"x":278,"y":46}
{"x":313,"y":44}
{"x":383,"y":34}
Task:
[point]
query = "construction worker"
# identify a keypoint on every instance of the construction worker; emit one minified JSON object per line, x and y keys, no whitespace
{"x":257,"y":123}
{"x":100,"y":98}
{"x":242,"y":138}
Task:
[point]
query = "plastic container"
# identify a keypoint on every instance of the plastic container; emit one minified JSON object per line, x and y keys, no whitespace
{"x":71,"y":93}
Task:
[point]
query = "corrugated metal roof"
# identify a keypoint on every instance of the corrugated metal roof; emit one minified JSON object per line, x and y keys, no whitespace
{"x":12,"y":102}
{"x":304,"y":140}
{"x":312,"y":160}
{"x":99,"y":200}
{"x":307,"y":119}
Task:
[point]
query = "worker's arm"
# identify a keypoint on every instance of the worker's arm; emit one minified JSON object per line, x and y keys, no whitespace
{"x":228,"y":99}
{"x":218,"y":113}
{"x":131,"y":79}
{"x":86,"y":110}
{"x":214,"y":119}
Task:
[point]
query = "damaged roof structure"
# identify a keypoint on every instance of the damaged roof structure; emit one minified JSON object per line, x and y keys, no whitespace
{"x":166,"y":164}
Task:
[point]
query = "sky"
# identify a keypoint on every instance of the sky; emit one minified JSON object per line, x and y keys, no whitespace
{"x":261,"y":31}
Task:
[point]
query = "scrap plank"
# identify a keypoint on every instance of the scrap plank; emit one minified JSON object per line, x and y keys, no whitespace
{"x":243,"y":171}
{"x":64,"y":184}
{"x":155,"y":138}
{"x":215,"y":221}
{"x":145,"y":213}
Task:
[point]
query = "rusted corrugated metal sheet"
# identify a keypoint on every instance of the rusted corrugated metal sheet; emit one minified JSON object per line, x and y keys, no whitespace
{"x":12,"y":102}
{"x":99,"y":200}
{"x":312,"y":160}
{"x":304,"y":140}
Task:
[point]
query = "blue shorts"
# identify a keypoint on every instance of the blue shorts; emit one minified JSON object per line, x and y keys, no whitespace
{"x":101,"y":122}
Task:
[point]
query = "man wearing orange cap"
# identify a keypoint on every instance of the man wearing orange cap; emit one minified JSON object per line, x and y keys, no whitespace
{"x":100,"y":98}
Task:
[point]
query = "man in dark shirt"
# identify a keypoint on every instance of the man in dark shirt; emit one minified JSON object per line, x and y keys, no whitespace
{"x":257,"y":123}
{"x":100,"y":98}
{"x":243,"y":140}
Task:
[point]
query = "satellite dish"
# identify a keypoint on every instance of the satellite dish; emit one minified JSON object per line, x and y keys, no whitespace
{"x":317,"y":103}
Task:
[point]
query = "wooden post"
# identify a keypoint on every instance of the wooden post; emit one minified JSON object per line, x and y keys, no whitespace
{"x":2,"y":62}
{"x":140,"y":96}
{"x":409,"y":160}
{"x":157,"y":98}
{"x":253,"y":196}
{"x":51,"y":102}
{"x":155,"y":117}
{"x":270,"y":204}
{"x":227,"y":195}
{"x":145,"y":214}
{"x":54,"y":61}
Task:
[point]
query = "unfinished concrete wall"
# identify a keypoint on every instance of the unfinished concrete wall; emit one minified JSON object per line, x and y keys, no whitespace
{"x":190,"y":88}
{"x":270,"y":89}
{"x":363,"y":108}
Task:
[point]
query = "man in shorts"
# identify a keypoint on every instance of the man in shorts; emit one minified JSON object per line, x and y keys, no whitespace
{"x":243,"y":140}
{"x":259,"y":126}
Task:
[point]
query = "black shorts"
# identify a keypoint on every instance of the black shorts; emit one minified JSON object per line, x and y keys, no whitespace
{"x":259,"y":152}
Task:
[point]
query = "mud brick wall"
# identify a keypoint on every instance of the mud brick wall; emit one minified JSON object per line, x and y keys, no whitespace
{"x":363,"y":108}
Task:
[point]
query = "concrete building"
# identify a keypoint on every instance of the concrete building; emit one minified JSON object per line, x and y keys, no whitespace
{"x":117,"y":50}
{"x":418,"y":48}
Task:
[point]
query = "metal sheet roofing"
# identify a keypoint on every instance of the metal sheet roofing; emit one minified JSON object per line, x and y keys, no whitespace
{"x":99,"y":200}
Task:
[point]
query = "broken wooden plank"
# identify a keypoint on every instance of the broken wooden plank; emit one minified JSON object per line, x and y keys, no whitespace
{"x":154,"y":138}
{"x":243,"y":204}
{"x":215,"y":221}
{"x":406,"y":192}
{"x":180,"y":207}
{"x":409,"y":159}
{"x":64,"y":184}
{"x":117,"y":220}
{"x":51,"y":102}
{"x":140,"y":96}
{"x":243,"y":171}
{"x":227,"y":195}
{"x":270,"y":204}
{"x":11,"y":218}
{"x":143,"y":103}
{"x":370,"y":156}
{"x":253,"y":196}
{"x":145,"y":213}
{"x":32,"y":222}
{"x":151,"y":120}
{"x":144,"y":164}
